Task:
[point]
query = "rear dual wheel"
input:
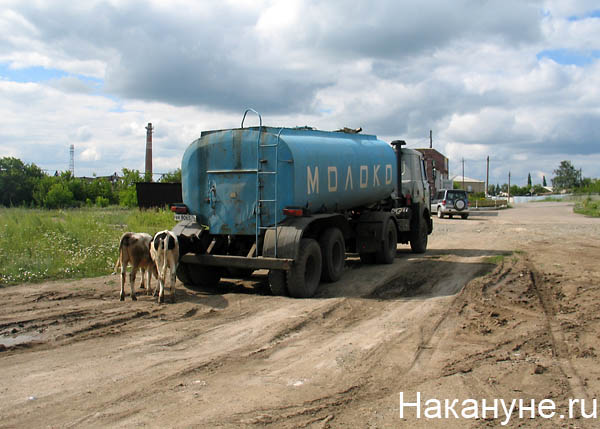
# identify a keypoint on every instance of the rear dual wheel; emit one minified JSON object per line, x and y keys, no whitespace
{"x":304,"y":277}
{"x":333,"y":251}
{"x":277,"y":282}
{"x":389,"y":242}
{"x":198,"y":277}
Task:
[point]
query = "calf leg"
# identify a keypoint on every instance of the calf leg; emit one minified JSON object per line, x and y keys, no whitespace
{"x":173,"y":286}
{"x":132,"y":281}
{"x":143,"y":284}
{"x":148,"y":280}
{"x":123,"y":274}
{"x":157,"y":288}
{"x":161,"y":293}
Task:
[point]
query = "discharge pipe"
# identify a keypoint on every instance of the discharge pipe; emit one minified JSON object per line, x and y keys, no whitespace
{"x":397,"y":144}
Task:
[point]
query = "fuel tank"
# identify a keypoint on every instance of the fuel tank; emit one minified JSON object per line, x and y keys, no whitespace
{"x":228,"y":175}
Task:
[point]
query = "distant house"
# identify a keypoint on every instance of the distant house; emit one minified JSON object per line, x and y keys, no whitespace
{"x":470,"y":185}
{"x":113,"y":178}
{"x":437,"y":169}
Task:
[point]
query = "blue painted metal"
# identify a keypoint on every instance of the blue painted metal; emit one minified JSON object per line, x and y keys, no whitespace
{"x":318,"y":170}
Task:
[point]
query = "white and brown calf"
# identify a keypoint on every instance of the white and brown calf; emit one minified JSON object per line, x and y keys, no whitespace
{"x":164,"y":250}
{"x":134,"y":248}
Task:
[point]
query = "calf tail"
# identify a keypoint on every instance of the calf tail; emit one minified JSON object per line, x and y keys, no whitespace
{"x":165,"y":250}
{"x":124,"y":242}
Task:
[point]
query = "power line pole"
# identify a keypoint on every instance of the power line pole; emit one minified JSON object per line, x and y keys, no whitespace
{"x":508,"y":201}
{"x":463,"y":174}
{"x":487,"y":177}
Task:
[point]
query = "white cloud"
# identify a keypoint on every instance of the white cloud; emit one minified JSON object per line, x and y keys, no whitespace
{"x":90,"y":154}
{"x":468,"y":71}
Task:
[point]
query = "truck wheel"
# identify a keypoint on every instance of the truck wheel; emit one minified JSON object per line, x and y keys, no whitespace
{"x":183,"y":275}
{"x":387,"y":251}
{"x":198,"y":277}
{"x":303,"y":278}
{"x":418,"y":237}
{"x":440,"y":214}
{"x":333,"y":251}
{"x":277,"y":282}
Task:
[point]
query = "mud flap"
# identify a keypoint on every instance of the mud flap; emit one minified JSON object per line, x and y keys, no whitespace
{"x":369,"y":232}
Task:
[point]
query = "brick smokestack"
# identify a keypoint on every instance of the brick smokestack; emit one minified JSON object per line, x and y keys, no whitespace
{"x":149,"y":130}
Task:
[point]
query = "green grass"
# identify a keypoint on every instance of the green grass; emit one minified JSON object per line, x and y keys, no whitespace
{"x":482,"y":202}
{"x":549,"y":200}
{"x":497,"y":259}
{"x":588,"y":207}
{"x":38,"y":245}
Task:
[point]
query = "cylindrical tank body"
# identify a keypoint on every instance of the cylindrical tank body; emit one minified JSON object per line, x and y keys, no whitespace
{"x":316,"y":170}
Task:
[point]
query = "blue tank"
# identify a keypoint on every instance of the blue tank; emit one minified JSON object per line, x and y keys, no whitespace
{"x":318,"y":171}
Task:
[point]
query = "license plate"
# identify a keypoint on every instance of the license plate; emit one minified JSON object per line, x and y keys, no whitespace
{"x":180,"y":217}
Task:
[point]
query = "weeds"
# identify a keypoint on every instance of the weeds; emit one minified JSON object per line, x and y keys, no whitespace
{"x":38,"y":245}
{"x":588,"y":207}
{"x":498,"y":259}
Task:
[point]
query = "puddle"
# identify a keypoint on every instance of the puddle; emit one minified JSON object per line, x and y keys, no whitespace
{"x":18,"y":339}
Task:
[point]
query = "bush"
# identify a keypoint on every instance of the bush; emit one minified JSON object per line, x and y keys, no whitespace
{"x":128,"y":197}
{"x":588,"y":207}
{"x":102,"y":202}
{"x":58,"y":196}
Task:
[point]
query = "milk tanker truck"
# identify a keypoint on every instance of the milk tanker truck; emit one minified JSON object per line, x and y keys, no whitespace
{"x":295,"y":201}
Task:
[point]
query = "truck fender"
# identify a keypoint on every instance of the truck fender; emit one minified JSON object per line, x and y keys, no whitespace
{"x":289,"y":233}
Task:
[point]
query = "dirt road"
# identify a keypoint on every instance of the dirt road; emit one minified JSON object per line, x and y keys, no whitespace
{"x":503,"y":305}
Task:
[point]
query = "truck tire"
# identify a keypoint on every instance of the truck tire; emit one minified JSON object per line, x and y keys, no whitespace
{"x":182,"y":274}
{"x":460,"y":205}
{"x":389,"y":241}
{"x":418,"y":237}
{"x":333,"y":252}
{"x":304,"y":277}
{"x":198,"y":277}
{"x":277,"y":283}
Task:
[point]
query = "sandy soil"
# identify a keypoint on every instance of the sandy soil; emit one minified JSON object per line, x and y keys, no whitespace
{"x":503,"y":305}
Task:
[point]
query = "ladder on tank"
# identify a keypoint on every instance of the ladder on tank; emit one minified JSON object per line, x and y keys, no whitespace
{"x":260,"y":185}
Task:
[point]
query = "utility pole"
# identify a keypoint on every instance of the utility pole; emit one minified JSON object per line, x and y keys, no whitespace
{"x":487,"y":177}
{"x":463,"y":174}
{"x":508,"y":201}
{"x":430,"y":139}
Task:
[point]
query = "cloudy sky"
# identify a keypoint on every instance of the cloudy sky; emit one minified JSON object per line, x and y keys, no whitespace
{"x":515,"y":80}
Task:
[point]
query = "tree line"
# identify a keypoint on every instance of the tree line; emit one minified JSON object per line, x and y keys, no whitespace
{"x":566,"y":178}
{"x":28,"y":185}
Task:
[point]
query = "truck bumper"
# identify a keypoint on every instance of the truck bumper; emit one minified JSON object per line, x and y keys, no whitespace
{"x":239,"y":261}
